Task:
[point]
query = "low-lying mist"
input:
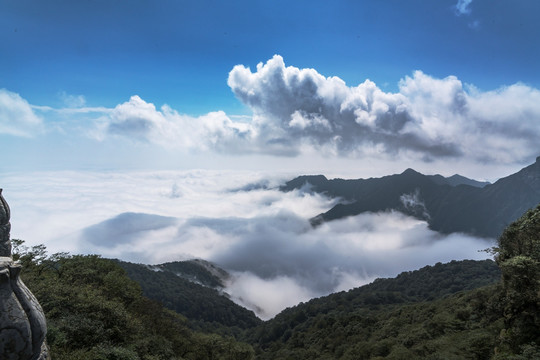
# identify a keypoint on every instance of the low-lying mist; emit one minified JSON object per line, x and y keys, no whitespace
{"x":259,"y":234}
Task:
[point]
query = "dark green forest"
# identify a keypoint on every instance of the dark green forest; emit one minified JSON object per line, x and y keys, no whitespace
{"x":95,"y":312}
{"x":460,"y":310}
{"x":206,"y":308}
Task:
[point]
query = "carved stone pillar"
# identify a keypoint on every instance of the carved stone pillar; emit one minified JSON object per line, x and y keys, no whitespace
{"x":22,"y":322}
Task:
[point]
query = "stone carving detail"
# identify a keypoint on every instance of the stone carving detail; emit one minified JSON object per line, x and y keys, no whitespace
{"x":5,"y":227}
{"x":22,"y":322}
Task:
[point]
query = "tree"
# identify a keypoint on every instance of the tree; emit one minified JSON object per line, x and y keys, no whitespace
{"x":518,"y":255}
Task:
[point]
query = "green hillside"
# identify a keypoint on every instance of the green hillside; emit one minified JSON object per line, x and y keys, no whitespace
{"x":459,"y":310}
{"x":415,"y":314}
{"x":206,"y":308}
{"x":95,"y":312}
{"x":432,"y":313}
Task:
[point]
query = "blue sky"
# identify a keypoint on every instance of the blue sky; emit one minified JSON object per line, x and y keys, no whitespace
{"x":97,"y":55}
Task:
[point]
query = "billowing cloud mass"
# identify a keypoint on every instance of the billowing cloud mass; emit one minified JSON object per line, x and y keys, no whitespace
{"x":429,"y":117}
{"x":301,"y":112}
{"x":259,"y":234}
{"x":16,"y":116}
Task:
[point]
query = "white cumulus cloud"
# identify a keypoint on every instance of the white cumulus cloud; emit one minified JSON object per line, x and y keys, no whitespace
{"x":428,"y":118}
{"x":140,"y":120}
{"x":299,"y":112}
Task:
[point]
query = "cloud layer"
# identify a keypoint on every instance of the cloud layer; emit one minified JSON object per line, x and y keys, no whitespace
{"x":462,"y":7}
{"x":276,"y":257}
{"x":261,"y":235}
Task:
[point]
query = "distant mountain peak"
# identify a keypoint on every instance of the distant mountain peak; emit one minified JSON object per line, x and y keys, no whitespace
{"x":410,"y":171}
{"x":457,"y":179}
{"x":454,"y":204}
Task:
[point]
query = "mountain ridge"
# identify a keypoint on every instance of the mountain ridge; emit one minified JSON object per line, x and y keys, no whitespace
{"x":191,"y":289}
{"x":456,"y":180}
{"x":477,"y":210}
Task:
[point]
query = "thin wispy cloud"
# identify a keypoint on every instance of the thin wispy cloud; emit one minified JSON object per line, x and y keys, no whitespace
{"x":72,"y":101}
{"x":72,"y":110}
{"x":462,"y":7}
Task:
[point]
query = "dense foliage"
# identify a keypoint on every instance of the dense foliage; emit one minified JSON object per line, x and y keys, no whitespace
{"x":198,"y":271}
{"x":456,"y":327}
{"x":206,"y":308}
{"x":95,"y":312}
{"x":518,"y":255}
{"x":410,"y":316}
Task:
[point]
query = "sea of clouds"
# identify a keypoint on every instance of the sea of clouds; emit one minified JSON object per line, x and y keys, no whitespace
{"x":239,"y":220}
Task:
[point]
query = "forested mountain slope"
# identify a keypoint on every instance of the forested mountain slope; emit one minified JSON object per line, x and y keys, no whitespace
{"x":370,"y":317}
{"x":430,"y":313}
{"x":95,"y":312}
{"x":481,"y":211}
{"x":199,"y":271}
{"x":206,"y":307}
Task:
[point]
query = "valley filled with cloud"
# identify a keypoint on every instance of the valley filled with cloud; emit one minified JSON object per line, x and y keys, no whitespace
{"x":238,"y":220}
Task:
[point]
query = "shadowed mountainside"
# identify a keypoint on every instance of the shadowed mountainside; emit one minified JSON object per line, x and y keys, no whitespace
{"x":447,"y":207}
{"x":191,"y":289}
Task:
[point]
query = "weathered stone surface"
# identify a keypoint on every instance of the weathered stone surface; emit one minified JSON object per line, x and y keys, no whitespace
{"x":5,"y":227}
{"x":30,"y":305}
{"x":15,"y":330}
{"x":22,"y":321}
